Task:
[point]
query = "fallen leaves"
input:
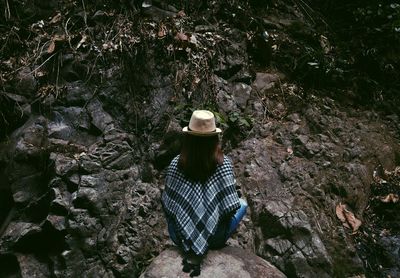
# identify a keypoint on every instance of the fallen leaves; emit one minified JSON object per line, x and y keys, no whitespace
{"x":181,"y":36}
{"x":347,"y":217}
{"x":56,"y":19}
{"x":181,"y":14}
{"x":52,"y":47}
{"x":54,"y":39}
{"x":82,"y":41}
{"x":385,"y":180}
{"x":390,"y":198}
{"x":379,"y":175}
{"x":162,"y":31}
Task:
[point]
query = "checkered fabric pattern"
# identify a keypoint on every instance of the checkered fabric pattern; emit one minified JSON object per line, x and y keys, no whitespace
{"x":198,"y":207}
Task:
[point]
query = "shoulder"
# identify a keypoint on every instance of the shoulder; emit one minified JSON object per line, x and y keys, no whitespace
{"x":174,"y":161}
{"x":173,"y":166}
{"x":227,"y":162}
{"x":226,"y":166}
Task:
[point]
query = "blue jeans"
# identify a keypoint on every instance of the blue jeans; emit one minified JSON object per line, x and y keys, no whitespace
{"x":224,"y":230}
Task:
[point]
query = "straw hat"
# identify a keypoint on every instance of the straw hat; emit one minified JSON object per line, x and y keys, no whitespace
{"x":202,"y":123}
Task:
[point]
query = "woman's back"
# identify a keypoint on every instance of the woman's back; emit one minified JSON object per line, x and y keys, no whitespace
{"x":200,"y":197}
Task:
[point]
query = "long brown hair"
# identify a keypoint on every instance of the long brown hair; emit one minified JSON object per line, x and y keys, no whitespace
{"x":200,"y":156}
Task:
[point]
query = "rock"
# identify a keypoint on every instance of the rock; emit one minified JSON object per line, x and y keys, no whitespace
{"x":76,"y":116}
{"x":241,"y":94}
{"x":64,"y":165}
{"x":57,"y":222}
{"x":31,"y":140}
{"x":28,"y":189}
{"x":87,"y":198}
{"x":229,"y":262}
{"x":226,"y":102}
{"x":77,"y":94}
{"x":60,"y":130}
{"x":93,"y":181}
{"x":114,"y":155}
{"x":74,"y":260}
{"x":285,"y":234}
{"x":89,"y":165}
{"x":17,"y":231}
{"x":265,"y":81}
{"x":170,"y":145}
{"x":25,"y":83}
{"x":302,"y":139}
{"x":155,"y":114}
{"x":32,"y":267}
{"x":21,"y":197}
{"x":280,"y":246}
{"x":61,"y":203}
{"x":63,"y":146}
{"x":232,"y":62}
{"x":100,"y":119}
{"x":243,"y":76}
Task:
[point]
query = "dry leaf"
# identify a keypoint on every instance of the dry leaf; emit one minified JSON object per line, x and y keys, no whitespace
{"x":193,"y":39}
{"x":52,"y":47}
{"x":82,"y":41}
{"x":181,"y":36}
{"x":56,"y":18}
{"x":162,"y":32}
{"x":181,"y":13}
{"x":340,"y":214}
{"x":324,"y":42}
{"x":54,"y":39}
{"x":390,"y":198}
{"x":347,"y":217}
{"x":352,"y":220}
{"x":58,"y":38}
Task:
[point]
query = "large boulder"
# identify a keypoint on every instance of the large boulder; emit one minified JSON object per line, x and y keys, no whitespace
{"x":229,"y":262}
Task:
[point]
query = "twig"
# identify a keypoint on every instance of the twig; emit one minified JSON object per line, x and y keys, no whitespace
{"x":67,"y":34}
{"x":7,"y":12}
{"x":40,"y":51}
{"x":91,"y":71}
{"x":20,"y":109}
{"x":6,"y":122}
{"x":58,"y":74}
{"x":8,"y":37}
{"x":300,"y":4}
{"x":41,"y":65}
{"x":85,"y":14}
{"x":312,"y":10}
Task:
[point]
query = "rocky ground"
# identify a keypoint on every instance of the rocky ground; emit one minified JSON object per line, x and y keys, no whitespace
{"x":226,"y":262}
{"x":93,"y":98}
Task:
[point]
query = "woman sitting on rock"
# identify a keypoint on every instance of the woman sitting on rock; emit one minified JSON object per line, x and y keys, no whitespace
{"x":200,"y":200}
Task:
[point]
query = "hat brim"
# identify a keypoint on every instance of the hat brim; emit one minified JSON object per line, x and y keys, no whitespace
{"x":199,"y":133}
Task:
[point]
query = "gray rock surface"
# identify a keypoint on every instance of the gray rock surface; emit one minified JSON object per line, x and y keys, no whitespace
{"x":86,"y":134}
{"x":228,"y":262}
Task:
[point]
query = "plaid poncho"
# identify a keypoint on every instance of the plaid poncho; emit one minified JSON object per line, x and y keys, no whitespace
{"x":198,"y":207}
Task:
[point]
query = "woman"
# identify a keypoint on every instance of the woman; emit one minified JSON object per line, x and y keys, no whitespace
{"x":200,"y":200}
